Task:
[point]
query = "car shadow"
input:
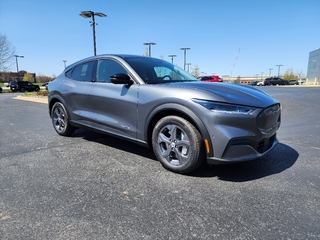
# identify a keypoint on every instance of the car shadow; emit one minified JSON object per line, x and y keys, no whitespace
{"x":114,"y":142}
{"x":278,"y":160}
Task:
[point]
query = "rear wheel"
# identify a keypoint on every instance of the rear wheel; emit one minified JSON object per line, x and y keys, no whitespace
{"x":60,"y":120}
{"x":22,"y":90}
{"x":177,"y":144}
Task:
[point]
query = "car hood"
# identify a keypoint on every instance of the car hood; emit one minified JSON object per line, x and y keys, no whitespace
{"x":231,"y":93}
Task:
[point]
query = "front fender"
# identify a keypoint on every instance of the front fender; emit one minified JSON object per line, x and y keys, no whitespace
{"x":176,"y":109}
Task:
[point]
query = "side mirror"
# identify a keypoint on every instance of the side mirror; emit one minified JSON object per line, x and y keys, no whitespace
{"x":121,"y":78}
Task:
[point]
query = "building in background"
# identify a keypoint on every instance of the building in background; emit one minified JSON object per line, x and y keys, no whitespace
{"x":313,"y":73}
{"x":14,"y":76}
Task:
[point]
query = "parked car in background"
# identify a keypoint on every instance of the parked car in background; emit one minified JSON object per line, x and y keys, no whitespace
{"x":23,"y":86}
{"x":254,"y":83}
{"x":6,"y":84}
{"x":260,"y":83}
{"x":274,"y":81}
{"x":212,"y":78}
{"x":12,"y":83}
{"x":159,"y":105}
{"x":293,"y":82}
{"x":0,"y":89}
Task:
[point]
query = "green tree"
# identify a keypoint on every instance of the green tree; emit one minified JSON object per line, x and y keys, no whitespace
{"x":28,"y":77}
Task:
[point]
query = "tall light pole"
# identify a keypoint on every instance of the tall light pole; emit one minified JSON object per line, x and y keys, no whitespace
{"x":279,"y":69}
{"x":188,"y":64}
{"x":185,"y":56}
{"x":64,"y":61}
{"x":270,"y":69}
{"x":17,"y":56}
{"x":88,"y":14}
{"x":149,"y":44}
{"x":172,"y":56}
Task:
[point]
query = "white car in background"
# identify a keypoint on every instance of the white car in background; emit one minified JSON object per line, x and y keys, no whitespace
{"x":260,"y":84}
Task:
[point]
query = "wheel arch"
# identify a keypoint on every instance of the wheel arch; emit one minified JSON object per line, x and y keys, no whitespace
{"x":176,"y":110}
{"x":53,"y":100}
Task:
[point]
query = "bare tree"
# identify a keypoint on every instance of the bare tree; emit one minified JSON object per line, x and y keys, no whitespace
{"x":7,"y":51}
{"x":43,"y":79}
{"x":289,"y":75}
{"x":195,"y":71}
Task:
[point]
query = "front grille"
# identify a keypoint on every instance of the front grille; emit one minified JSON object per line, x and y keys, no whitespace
{"x":269,"y":119}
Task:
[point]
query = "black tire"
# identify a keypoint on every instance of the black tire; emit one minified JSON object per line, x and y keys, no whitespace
{"x":37,"y":89}
{"x":60,"y":120}
{"x":22,"y":90}
{"x":177,"y":144}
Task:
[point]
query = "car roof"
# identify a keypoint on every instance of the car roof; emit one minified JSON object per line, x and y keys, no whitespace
{"x":123,"y":56}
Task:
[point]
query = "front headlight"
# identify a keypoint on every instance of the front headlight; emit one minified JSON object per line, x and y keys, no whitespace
{"x":219,"y":107}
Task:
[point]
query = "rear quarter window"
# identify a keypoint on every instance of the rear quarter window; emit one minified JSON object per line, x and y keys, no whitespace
{"x":82,"y":72}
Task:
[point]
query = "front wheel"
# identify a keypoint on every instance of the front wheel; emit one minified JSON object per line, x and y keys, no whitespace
{"x":60,"y":120}
{"x":177,"y":144}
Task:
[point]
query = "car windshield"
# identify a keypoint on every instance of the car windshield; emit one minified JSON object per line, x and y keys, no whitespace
{"x":155,"y":71}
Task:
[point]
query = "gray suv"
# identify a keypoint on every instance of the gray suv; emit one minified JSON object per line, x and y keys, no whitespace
{"x":157,"y":104}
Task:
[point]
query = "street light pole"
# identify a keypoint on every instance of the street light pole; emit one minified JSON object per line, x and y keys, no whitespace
{"x":185,"y":57}
{"x":188,"y":64}
{"x":17,"y":56}
{"x":149,"y":44}
{"x":88,"y":14}
{"x":270,"y":69}
{"x":279,"y":69}
{"x":172,"y":56}
{"x":64,"y":61}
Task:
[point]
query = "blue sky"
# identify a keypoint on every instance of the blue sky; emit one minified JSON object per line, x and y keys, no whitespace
{"x":267,"y":32}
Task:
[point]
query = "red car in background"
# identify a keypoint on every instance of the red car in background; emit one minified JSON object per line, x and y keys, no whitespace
{"x":212,"y":78}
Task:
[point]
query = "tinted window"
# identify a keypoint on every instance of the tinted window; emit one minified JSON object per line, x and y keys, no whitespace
{"x":69,"y":73}
{"x":107,"y":68}
{"x":83,"y":72}
{"x":153,"y":70}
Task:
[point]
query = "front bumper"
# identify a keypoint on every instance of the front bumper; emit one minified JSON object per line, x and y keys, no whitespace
{"x":237,"y":138}
{"x":245,"y":151}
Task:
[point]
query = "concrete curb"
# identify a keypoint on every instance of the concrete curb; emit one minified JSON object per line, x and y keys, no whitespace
{"x":32,"y":99}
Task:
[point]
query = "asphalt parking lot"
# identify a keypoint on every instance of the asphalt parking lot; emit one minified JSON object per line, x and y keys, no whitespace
{"x":91,"y":186}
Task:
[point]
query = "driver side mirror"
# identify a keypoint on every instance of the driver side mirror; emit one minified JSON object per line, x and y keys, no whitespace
{"x":121,"y":78}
